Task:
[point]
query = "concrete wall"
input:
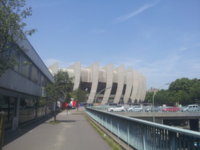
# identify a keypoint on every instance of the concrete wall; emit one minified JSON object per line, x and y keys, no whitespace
{"x":11,"y":80}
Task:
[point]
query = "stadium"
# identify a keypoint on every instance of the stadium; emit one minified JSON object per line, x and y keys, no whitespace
{"x":107,"y":84}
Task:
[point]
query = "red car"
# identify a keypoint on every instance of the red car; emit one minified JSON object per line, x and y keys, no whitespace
{"x":171,"y":109}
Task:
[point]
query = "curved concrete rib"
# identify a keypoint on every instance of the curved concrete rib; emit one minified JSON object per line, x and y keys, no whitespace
{"x":139,"y":91}
{"x":95,"y":79}
{"x":143,"y":89}
{"x":77,"y":71}
{"x":120,"y":84}
{"x":129,"y":85}
{"x":109,"y":83}
{"x":135,"y":86}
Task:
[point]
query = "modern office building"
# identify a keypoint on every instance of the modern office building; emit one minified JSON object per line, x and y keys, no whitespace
{"x":23,"y":86}
{"x":107,"y":84}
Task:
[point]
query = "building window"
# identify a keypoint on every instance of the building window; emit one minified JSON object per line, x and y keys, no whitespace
{"x":8,"y":105}
{"x":27,"y":109}
{"x":15,"y":55}
{"x":114,"y":88}
{"x":25,"y":66}
{"x":34,"y":74}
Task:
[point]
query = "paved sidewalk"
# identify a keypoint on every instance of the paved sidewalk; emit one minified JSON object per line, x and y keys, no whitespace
{"x":73,"y":133}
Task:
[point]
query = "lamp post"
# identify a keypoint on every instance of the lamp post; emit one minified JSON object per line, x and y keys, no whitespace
{"x":95,"y":99}
{"x":154,"y":94}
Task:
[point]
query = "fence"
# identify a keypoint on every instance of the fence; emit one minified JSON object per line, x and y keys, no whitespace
{"x":145,"y":135}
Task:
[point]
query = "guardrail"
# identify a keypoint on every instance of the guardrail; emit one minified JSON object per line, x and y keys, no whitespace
{"x":145,"y":135}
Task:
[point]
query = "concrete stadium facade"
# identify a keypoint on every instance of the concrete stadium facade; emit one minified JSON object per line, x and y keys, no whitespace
{"x":107,"y":84}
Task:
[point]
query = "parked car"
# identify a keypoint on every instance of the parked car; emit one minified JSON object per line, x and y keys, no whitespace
{"x":171,"y":109}
{"x":117,"y":109}
{"x":148,"y":109}
{"x":135,"y":109}
{"x":157,"y":109}
{"x":192,"y":108}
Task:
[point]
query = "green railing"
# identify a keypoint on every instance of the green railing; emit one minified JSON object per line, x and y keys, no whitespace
{"x":145,"y":135}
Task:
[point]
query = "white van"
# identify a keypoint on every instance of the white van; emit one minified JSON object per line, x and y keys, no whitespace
{"x":193,"y":107}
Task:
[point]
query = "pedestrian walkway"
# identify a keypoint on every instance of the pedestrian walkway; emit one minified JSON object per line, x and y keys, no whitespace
{"x":72,"y":133}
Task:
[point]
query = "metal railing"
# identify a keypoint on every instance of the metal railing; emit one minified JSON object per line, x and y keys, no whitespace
{"x":145,"y":135}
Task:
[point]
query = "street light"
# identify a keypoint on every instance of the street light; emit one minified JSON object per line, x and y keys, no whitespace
{"x":154,"y":94}
{"x":95,"y":99}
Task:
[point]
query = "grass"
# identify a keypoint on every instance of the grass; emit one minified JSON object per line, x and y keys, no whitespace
{"x":54,"y":122}
{"x":109,"y":140}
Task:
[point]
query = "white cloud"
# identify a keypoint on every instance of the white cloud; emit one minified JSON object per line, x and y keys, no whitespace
{"x":135,"y":12}
{"x":164,"y":70}
{"x":61,"y":64}
{"x":51,"y":61}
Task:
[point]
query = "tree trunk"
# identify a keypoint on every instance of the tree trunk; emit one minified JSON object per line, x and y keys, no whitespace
{"x":54,"y":115}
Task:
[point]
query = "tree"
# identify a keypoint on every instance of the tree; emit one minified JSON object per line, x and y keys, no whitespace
{"x":181,"y":91}
{"x":162,"y":97}
{"x":185,"y":91}
{"x":60,"y":89}
{"x":12,"y":15}
{"x":149,"y":97}
{"x":79,"y":95}
{"x":195,"y":91}
{"x":181,"y":84}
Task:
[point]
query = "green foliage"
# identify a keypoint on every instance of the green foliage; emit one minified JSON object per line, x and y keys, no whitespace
{"x":12,"y":15}
{"x":6,"y":62}
{"x":79,"y":95}
{"x":61,"y":88}
{"x":162,"y":97}
{"x":148,"y":97}
{"x":181,"y":91}
{"x":182,"y":84}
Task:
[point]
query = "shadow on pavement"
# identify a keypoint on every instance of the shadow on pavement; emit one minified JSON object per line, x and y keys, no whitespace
{"x":66,"y":121}
{"x":24,"y":128}
{"x":59,"y":121}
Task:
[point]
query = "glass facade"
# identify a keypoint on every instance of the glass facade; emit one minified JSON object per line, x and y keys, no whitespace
{"x":101,"y":87}
{"x":114,"y":88}
{"x":8,"y":105}
{"x":21,"y":105}
{"x":27,"y":110}
{"x":26,"y":68}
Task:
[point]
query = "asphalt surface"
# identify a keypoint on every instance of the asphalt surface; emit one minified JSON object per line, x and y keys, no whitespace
{"x":72,"y":133}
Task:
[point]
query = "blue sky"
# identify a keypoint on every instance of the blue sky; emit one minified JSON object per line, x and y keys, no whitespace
{"x":160,"y":38}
